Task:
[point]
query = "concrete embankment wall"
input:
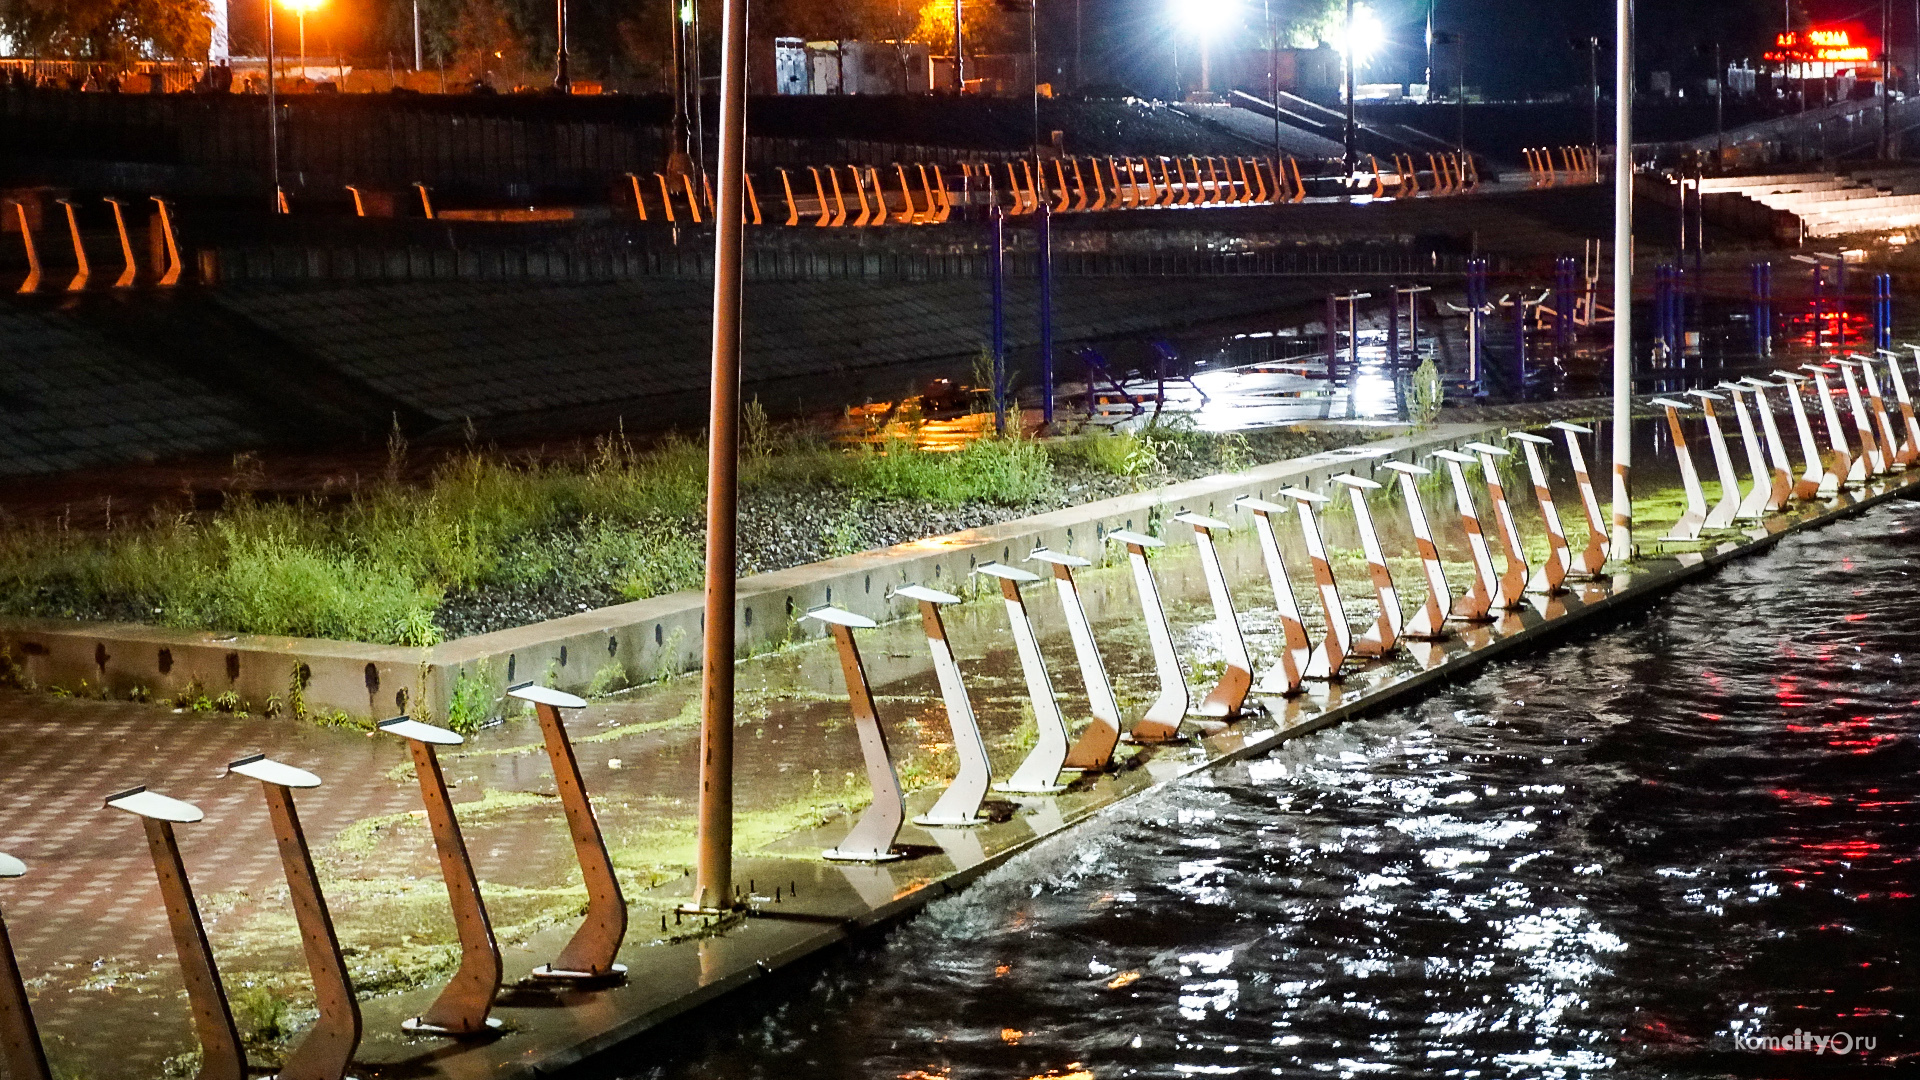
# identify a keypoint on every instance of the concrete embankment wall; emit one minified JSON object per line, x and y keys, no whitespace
{"x":627,"y":642}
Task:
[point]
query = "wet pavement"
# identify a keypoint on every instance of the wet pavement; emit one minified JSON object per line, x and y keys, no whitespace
{"x":92,"y":937}
{"x":1632,"y":855}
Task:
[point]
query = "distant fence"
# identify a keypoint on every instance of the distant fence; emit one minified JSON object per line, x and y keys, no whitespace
{"x":509,"y":147}
{"x":234,"y":263}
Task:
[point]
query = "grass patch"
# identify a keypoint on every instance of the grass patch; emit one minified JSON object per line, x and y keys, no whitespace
{"x":378,"y":562}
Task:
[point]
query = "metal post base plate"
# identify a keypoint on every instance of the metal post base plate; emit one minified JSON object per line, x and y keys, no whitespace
{"x":836,"y":855}
{"x":417,"y":1026}
{"x":930,"y":822}
{"x":1049,"y":789}
{"x":546,"y":973}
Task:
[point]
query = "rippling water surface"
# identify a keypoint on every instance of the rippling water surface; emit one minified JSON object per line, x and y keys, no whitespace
{"x":1625,"y":855}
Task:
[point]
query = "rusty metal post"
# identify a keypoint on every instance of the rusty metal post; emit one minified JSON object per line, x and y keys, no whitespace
{"x":327,"y":1050}
{"x":713,"y":878}
{"x":83,"y":271}
{"x":1588,"y":562}
{"x":1688,"y":526}
{"x":1287,"y":673}
{"x":1814,"y":473}
{"x":222,"y":1057}
{"x":171,"y":276}
{"x":1093,"y":751}
{"x":1161,"y":722}
{"x":127,"y":272}
{"x":1513,"y":581}
{"x":1331,"y":653}
{"x":1870,"y":462}
{"x":464,"y":1004}
{"x":1753,"y":505}
{"x":1909,"y":453}
{"x":1552,"y":574}
{"x":1230,"y":693}
{"x":1039,"y":773}
{"x":871,"y":839}
{"x":1430,"y":622}
{"x":32,"y":282}
{"x":1889,"y":442}
{"x":20,"y":1049}
{"x":589,"y":955}
{"x":1476,"y":604}
{"x":1847,"y":469}
{"x":1385,"y":634}
{"x":960,"y":803}
{"x":1723,"y":512}
{"x":1780,"y":475}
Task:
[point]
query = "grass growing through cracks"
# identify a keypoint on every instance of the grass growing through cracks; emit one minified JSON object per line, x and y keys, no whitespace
{"x":377,"y":567}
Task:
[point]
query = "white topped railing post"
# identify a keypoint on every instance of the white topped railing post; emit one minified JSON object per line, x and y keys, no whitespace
{"x":1161,"y":721}
{"x":1039,"y":773}
{"x":871,"y":838}
{"x":1753,"y":505}
{"x":464,"y":1005}
{"x":222,"y":1057}
{"x":589,"y":956}
{"x":1780,"y":487}
{"x":327,"y":1049}
{"x":1230,"y":693}
{"x":1331,"y":653}
{"x":1430,"y":622}
{"x":1695,"y":516}
{"x":1512,"y":595}
{"x":959,"y":804}
{"x":1551,"y":577}
{"x":1285,"y":676}
{"x":20,"y":1048}
{"x":1723,"y":512}
{"x":1816,"y":478}
{"x":1883,"y":426}
{"x":1870,"y":462}
{"x":1385,"y":634}
{"x":1093,"y":751}
{"x":1476,"y":605}
{"x":1589,"y":562}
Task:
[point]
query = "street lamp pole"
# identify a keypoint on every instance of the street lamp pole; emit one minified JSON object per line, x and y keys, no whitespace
{"x":562,"y":78}
{"x":959,"y":65}
{"x":714,"y":874}
{"x":273,"y":112}
{"x":1623,"y":280}
{"x":1353,"y":158}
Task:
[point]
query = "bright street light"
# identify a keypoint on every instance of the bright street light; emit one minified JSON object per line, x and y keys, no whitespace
{"x":1205,"y":18}
{"x":1369,"y":35}
{"x":300,"y":8}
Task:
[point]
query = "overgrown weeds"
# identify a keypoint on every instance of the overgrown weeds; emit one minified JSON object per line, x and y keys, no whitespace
{"x":378,"y":564}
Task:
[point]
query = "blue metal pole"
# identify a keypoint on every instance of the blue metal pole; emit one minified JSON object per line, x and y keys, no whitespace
{"x":1766,"y":308}
{"x":1046,"y":315}
{"x":997,"y":271}
{"x":1519,"y":346}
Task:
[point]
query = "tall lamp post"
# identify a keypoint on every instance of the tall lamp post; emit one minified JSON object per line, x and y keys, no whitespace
{"x":1353,"y":152}
{"x":1623,"y":280}
{"x":713,"y":880}
{"x":1361,"y":36}
{"x":562,"y":78}
{"x":273,"y":114}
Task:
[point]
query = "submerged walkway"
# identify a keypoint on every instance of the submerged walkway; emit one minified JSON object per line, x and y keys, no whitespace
{"x":92,"y":938}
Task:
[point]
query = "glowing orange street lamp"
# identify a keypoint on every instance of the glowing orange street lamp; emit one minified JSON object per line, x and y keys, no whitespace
{"x":300,"y":9}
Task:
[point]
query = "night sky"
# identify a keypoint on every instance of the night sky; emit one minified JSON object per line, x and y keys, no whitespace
{"x":1516,"y":48}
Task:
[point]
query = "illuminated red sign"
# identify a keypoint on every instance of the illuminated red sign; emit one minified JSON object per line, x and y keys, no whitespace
{"x":1830,"y":46}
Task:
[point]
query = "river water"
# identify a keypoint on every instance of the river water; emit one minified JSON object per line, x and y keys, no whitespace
{"x":1630,"y":854}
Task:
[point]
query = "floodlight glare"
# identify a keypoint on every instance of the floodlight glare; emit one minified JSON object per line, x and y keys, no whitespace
{"x":1205,"y":17}
{"x":1369,"y":35}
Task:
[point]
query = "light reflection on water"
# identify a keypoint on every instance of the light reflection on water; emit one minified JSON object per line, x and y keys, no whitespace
{"x":1607,"y":858}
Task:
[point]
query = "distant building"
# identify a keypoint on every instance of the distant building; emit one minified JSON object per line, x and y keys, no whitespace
{"x":850,"y":67}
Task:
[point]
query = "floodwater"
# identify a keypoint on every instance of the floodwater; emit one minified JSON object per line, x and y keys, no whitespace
{"x":1631,"y":854}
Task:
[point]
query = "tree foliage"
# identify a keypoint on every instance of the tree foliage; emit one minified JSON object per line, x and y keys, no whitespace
{"x":107,"y":30}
